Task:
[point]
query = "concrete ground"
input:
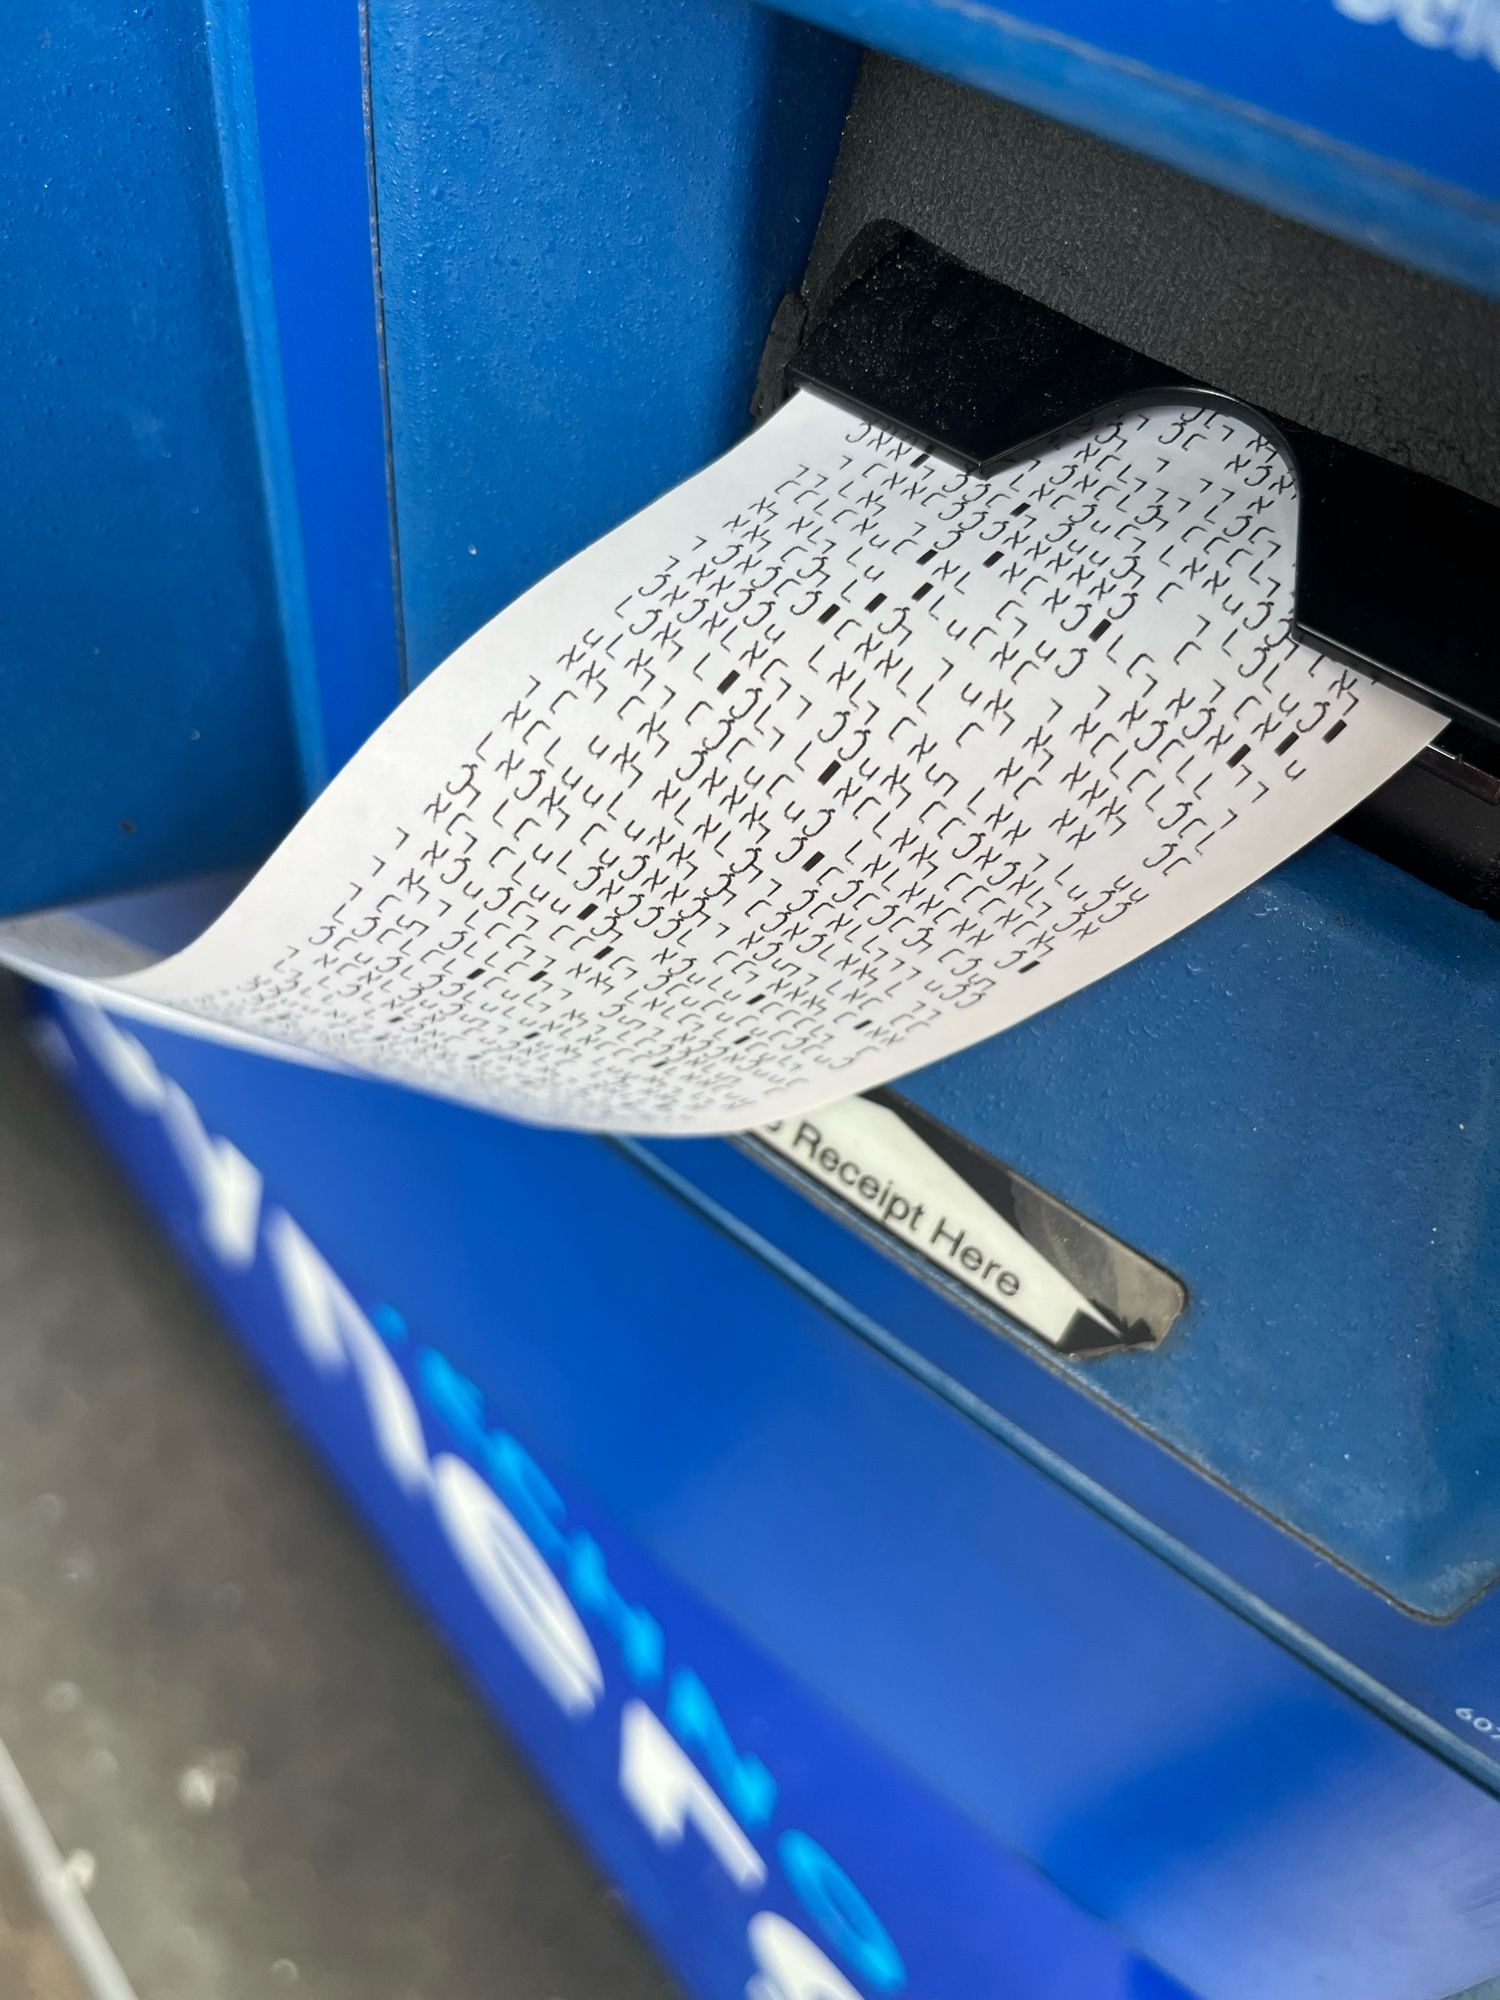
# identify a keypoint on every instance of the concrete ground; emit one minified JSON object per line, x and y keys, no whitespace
{"x":236,"y":1764}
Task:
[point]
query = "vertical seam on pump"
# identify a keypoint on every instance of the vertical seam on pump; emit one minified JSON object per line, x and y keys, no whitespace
{"x":237,"y":136}
{"x":377,"y":279}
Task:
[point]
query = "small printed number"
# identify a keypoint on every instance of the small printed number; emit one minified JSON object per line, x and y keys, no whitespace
{"x":1481,"y":1723}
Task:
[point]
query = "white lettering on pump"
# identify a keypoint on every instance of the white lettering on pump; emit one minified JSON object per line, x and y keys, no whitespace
{"x":119,"y":1055}
{"x":790,"y":1966}
{"x":667,"y":1789}
{"x":518,"y":1587}
{"x":227,"y":1186}
{"x":501,"y":1561}
{"x":336,"y":1333}
{"x":512,"y":1578}
{"x":1467,"y":28}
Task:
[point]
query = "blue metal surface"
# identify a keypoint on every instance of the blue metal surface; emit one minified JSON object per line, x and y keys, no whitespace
{"x":587,"y":216}
{"x":1293,"y":1107}
{"x":962,"y":1675}
{"x":1374,"y":119}
{"x":144,"y":729}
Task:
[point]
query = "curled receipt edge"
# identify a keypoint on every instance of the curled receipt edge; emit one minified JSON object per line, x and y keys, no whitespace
{"x":828,"y":764}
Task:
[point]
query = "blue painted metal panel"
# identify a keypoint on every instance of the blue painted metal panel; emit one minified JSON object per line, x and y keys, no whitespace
{"x":587,"y":215}
{"x":1437,"y":1679}
{"x":1375,"y":119}
{"x":143,"y":717}
{"x":1292,"y":1106}
{"x":992,"y":1646}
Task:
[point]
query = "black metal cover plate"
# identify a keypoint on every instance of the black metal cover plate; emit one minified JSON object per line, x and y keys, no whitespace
{"x":1395,"y":571}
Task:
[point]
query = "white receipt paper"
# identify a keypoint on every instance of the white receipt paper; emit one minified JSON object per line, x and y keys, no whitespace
{"x":830,"y":763}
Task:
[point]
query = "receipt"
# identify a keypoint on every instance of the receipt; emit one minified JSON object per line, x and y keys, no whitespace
{"x":831,"y":762}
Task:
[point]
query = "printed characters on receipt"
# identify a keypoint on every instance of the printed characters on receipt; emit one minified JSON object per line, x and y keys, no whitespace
{"x":830,"y":763}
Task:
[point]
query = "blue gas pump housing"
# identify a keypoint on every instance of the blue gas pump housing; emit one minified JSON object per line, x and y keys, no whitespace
{"x":874,"y":1649}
